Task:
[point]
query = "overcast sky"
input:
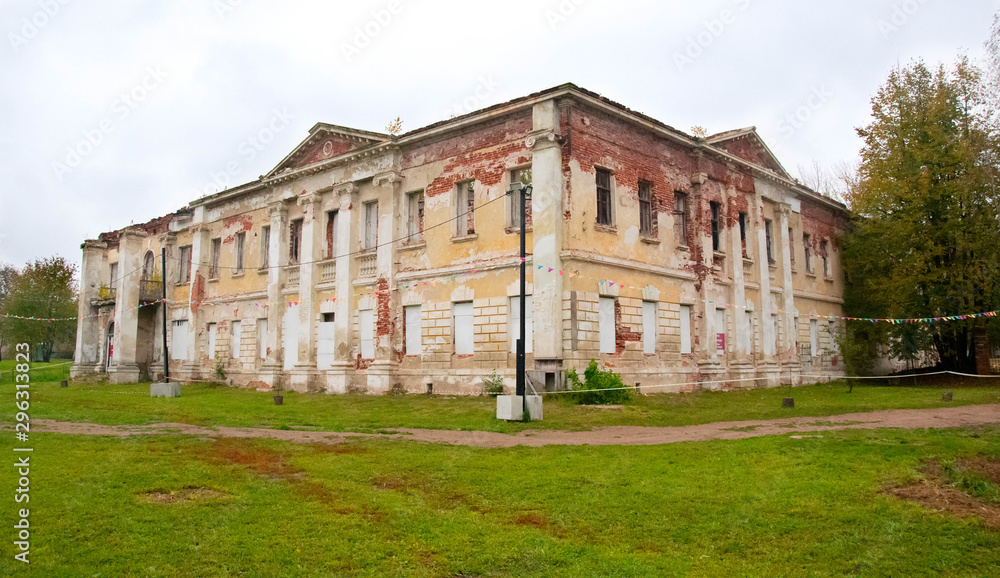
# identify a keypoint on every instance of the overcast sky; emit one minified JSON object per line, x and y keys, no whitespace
{"x":127,"y":110}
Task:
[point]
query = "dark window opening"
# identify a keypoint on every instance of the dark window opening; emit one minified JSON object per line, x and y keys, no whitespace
{"x":604,"y":197}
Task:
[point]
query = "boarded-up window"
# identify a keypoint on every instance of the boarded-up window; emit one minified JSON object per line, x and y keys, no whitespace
{"x":326,"y":342}
{"x":681,"y":219}
{"x":262,"y":338}
{"x":519,"y":178}
{"x":179,"y":340}
{"x":604,"y":197}
{"x":647,"y":219}
{"x":606,"y":321}
{"x":184,"y":268}
{"x":415,"y":218}
{"x":238,"y":249}
{"x":265,"y":247}
{"x":814,"y":336}
{"x":685,"y":329}
{"x":370,"y":239}
{"x":515,"y":323}
{"x":235,"y":336}
{"x":295,"y":241}
{"x":331,"y":234}
{"x":211,"y":340}
{"x":214,"y":255}
{"x":720,"y":332}
{"x":366,"y":330}
{"x":465,"y":207}
{"x":649,"y":327}
{"x":414,"y":329}
{"x":464,"y":331}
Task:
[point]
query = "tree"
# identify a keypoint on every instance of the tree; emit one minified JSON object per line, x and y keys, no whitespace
{"x":8,"y":274}
{"x":924,"y":231}
{"x":44,"y":289}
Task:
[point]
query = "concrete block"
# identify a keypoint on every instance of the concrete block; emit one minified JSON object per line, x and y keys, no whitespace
{"x":164,"y":390}
{"x":511,"y":407}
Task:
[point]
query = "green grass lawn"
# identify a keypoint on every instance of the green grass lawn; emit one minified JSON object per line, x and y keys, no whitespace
{"x":771,"y":506}
{"x":202,"y":404}
{"x":57,"y":370}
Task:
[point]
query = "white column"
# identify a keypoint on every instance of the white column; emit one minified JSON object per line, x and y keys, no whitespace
{"x":739,"y":288}
{"x":547,"y":234}
{"x":88,"y":329}
{"x":305,"y":367}
{"x":766,"y":301}
{"x":198,"y":286}
{"x":271,"y":368}
{"x":790,"y":354}
{"x":123,"y":367}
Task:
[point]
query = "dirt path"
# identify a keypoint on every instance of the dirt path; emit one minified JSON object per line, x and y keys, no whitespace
{"x":970,"y":415}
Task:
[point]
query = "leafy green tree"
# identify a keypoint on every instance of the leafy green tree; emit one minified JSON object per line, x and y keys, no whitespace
{"x":8,"y":274}
{"x":44,"y":289}
{"x":924,"y":234}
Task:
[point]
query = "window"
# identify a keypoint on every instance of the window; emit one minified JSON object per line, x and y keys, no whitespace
{"x":265,"y":247}
{"x":748,"y":333}
{"x":148,"y":265}
{"x":743,"y":233}
{"x":681,"y":218}
{"x":366,"y":331}
{"x":464,"y":331}
{"x":213,"y":258}
{"x":370,"y":240}
{"x":604,"y":197}
{"x":791,"y":248}
{"x":649,"y":327}
{"x":716,"y":226}
{"x":823,"y":246}
{"x":647,"y":219}
{"x":331,"y":234}
{"x":814,"y":337}
{"x":238,"y":248}
{"x":606,"y":321}
{"x":415,"y":218}
{"x":413,"y":329}
{"x":178,"y":341}
{"x":805,"y":244}
{"x":515,"y":323}
{"x":769,"y":238}
{"x":184,"y":270}
{"x":720,"y":332}
{"x":326,"y":342}
{"x":236,"y":335}
{"x":522,"y":176}
{"x":262,"y":338}
{"x":295,"y":241}
{"x":465,"y":207}
{"x":685,"y":329}
{"x":113,"y":272}
{"x":211,"y":340}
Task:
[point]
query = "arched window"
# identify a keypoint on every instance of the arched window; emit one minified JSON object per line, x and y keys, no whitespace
{"x":148,"y":265}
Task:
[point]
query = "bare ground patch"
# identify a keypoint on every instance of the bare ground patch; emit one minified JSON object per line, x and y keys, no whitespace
{"x":939,"y":493}
{"x":188,"y":494}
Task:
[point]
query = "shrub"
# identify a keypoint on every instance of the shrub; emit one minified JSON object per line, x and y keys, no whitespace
{"x":587,"y":392}
{"x":493,"y":384}
{"x":396,"y":389}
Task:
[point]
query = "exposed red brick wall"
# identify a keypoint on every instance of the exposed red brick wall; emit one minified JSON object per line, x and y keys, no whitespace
{"x":197,"y":292}
{"x":319,"y":152}
{"x":623,"y":333}
{"x":236,"y":224}
{"x":383,"y":323}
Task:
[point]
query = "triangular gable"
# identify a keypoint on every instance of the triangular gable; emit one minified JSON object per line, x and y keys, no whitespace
{"x":327,"y":141}
{"x":747,"y":145}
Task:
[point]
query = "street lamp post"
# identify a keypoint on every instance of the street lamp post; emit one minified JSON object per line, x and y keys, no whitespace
{"x":524,"y":192}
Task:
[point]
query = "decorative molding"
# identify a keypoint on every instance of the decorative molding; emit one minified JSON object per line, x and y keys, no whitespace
{"x":348,"y":188}
{"x":94,"y":244}
{"x":308,"y":199}
{"x":546,"y":138}
{"x":699,"y":178}
{"x":277,"y":210}
{"x":387,"y":179}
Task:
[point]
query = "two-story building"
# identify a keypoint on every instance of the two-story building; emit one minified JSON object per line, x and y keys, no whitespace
{"x":365,"y":260}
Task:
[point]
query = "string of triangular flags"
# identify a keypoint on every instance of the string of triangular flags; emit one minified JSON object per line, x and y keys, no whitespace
{"x":433,"y":282}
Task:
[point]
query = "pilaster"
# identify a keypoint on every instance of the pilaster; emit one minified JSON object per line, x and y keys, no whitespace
{"x":123,"y":366}
{"x":88,"y":329}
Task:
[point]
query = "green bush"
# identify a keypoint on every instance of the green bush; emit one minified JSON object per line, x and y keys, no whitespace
{"x":493,"y":384}
{"x":587,"y":392}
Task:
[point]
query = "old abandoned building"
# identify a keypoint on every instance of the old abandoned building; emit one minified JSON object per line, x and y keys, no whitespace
{"x":365,"y":260}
